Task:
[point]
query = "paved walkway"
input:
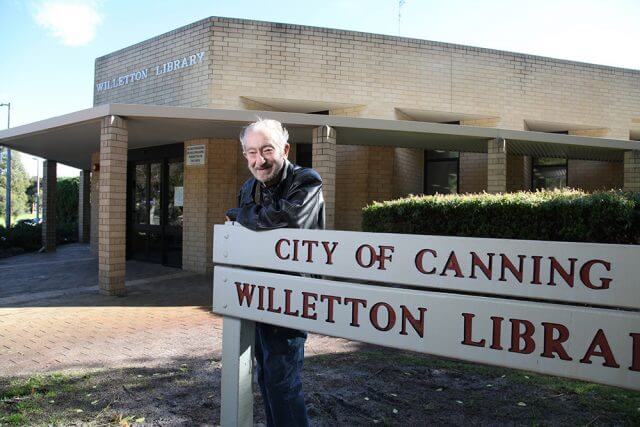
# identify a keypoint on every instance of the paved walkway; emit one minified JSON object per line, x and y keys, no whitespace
{"x":53,"y":318}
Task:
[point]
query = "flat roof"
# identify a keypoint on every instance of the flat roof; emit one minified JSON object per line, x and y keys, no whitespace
{"x":72,"y":138}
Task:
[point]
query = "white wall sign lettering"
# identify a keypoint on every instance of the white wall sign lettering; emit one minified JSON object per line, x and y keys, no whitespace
{"x":196,"y":155}
{"x":143,"y":73}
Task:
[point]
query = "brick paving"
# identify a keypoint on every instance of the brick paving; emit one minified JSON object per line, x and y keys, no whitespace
{"x":165,"y":316}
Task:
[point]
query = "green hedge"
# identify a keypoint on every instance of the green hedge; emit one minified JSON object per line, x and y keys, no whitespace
{"x":561,"y":215}
{"x":27,"y":237}
{"x":67,"y":192}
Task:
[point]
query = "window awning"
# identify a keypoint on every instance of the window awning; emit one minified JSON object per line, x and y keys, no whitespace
{"x":72,"y":138}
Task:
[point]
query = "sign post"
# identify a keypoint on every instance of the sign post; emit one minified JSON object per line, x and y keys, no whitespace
{"x":237,"y":361}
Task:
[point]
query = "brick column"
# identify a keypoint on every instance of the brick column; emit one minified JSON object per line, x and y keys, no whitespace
{"x":49,"y":178}
{"x":112,"y":214}
{"x":632,"y":170}
{"x":324,"y":162}
{"x":209,"y":190}
{"x":94,"y":222}
{"x":84,"y":207}
{"x":497,"y":166}
{"x":195,"y":211}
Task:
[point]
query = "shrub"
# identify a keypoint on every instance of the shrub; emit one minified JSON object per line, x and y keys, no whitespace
{"x":26,"y":236}
{"x":3,"y":238}
{"x":561,"y":215}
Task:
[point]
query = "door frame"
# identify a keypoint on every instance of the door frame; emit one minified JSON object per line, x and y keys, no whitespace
{"x":164,"y":155}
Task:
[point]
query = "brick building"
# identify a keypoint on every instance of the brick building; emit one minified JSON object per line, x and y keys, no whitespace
{"x":378,"y":116}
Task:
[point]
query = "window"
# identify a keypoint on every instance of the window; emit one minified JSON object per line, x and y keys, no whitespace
{"x":304,"y":156}
{"x":548,"y":173}
{"x":441,"y":172}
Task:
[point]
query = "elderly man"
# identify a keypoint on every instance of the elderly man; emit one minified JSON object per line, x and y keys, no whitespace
{"x":280,"y":195}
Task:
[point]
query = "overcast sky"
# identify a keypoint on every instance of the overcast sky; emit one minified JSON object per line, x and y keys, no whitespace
{"x":48,"y":47}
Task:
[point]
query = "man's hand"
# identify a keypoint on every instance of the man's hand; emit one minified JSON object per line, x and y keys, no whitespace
{"x":231,"y":214}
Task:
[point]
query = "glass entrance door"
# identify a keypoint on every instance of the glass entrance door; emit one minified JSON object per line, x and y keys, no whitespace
{"x":155,"y":211}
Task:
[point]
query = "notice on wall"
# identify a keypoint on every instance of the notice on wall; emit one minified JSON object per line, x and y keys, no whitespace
{"x":178,"y":196}
{"x":195,"y":155}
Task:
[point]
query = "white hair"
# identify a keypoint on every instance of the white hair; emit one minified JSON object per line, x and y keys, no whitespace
{"x":272,"y":130}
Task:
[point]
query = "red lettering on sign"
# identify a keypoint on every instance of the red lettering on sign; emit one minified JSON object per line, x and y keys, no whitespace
{"x":536,"y":270}
{"x":585,"y":274}
{"x":417,"y":324}
{"x":635,"y":359}
{"x":354,"y":309}
{"x":328,"y":251}
{"x":331,"y":299}
{"x":420,"y":262}
{"x":468,"y":331}
{"x":391,"y":316}
{"x":310,"y":244}
{"x":279,"y":248}
{"x":477,"y":262}
{"x":307,"y":306}
{"x":452,"y":264}
{"x":295,"y":249}
{"x":566,"y":276}
{"x":260,"y":297}
{"x":374,"y":257}
{"x":245,"y":293}
{"x":600,"y":341}
{"x":508,"y":265}
{"x":525,"y":336}
{"x":271,"y":308}
{"x":496,"y":335}
{"x":287,"y":304}
{"x":554,"y":345}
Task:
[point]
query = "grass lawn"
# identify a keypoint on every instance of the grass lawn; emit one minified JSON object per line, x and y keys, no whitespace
{"x":365,"y":387}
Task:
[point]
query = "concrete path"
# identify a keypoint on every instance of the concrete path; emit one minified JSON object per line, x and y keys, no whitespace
{"x":52,"y":317}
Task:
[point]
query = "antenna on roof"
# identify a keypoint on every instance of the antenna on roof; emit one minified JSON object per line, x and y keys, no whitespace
{"x":400,"y":4}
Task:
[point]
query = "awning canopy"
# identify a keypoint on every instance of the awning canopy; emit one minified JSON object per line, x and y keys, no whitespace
{"x":72,"y":138}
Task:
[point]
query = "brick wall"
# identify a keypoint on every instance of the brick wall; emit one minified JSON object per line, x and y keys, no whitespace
{"x":591,"y":175}
{"x":188,"y":86}
{"x":381,"y":169}
{"x":352,"y":162}
{"x":408,"y":172}
{"x":268,"y":60}
{"x":473,"y":172}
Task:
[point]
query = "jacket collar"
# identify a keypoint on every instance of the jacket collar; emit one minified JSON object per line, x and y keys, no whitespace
{"x":287,"y":171}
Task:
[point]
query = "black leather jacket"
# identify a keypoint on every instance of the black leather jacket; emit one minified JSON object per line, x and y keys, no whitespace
{"x":295,"y":202}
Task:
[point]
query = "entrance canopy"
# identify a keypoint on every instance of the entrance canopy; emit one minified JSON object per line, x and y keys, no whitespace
{"x":73,"y":137}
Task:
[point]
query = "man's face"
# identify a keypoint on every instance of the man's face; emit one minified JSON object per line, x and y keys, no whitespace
{"x":263,"y":160}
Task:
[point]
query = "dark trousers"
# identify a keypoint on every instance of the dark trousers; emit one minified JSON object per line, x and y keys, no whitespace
{"x":280,"y":354}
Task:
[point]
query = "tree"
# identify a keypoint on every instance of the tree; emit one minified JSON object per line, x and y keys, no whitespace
{"x":19,"y":184}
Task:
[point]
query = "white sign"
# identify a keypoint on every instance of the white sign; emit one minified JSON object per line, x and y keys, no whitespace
{"x":196,"y":155}
{"x":584,"y":343}
{"x":178,"y":196}
{"x":143,"y":73}
{"x":598,"y":274}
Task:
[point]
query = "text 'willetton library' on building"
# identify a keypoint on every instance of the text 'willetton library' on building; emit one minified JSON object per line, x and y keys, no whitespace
{"x":379,"y":117}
